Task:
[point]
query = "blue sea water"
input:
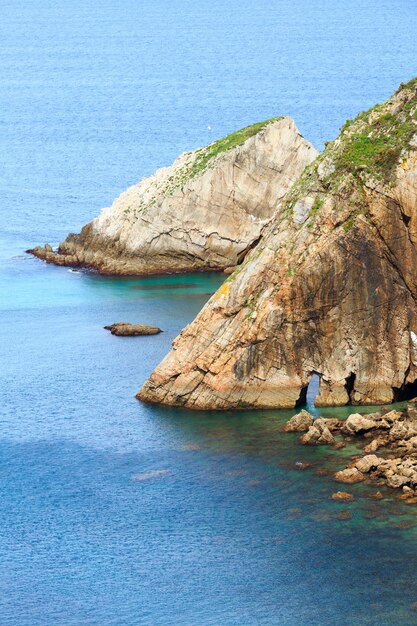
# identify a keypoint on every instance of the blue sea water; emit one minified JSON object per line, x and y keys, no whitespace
{"x":117,"y":513}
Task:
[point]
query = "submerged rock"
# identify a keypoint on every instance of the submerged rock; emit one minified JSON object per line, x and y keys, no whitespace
{"x":377,"y":495}
{"x":331,"y":288}
{"x":124,"y":329}
{"x":300,"y":465}
{"x":203,"y":212}
{"x":344,"y":515}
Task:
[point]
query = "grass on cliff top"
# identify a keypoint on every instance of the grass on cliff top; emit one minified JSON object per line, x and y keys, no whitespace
{"x":205,"y":155}
{"x":372,"y":144}
{"x":377,"y":149}
{"x":374,"y":140}
{"x":411,"y":83}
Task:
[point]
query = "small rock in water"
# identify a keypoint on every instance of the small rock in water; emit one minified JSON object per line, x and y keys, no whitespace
{"x":124,"y":329}
{"x":324,"y":472}
{"x":403,"y":525}
{"x":299,"y":423}
{"x":302,"y":466}
{"x":377,"y":495}
{"x":342,"y":495}
{"x":349,"y":475}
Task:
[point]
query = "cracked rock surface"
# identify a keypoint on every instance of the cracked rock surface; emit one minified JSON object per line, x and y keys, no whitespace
{"x":331,"y":288}
{"x":204,"y":212}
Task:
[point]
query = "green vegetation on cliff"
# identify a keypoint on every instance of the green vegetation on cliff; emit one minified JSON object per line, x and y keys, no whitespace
{"x":376,"y":149}
{"x":370,"y":147}
{"x":375,"y":140}
{"x":205,"y":155}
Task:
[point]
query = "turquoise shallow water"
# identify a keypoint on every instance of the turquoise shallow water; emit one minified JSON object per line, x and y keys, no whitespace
{"x":117,"y":513}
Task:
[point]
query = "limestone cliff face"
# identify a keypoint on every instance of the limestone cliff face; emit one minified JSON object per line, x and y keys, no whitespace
{"x":330,"y":289}
{"x":205,"y":211}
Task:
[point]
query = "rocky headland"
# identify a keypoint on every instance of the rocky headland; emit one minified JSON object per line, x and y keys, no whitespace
{"x":330,"y":289}
{"x":204,"y":212}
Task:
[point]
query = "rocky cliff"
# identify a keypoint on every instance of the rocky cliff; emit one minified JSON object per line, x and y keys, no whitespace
{"x":330,"y":289}
{"x":205,"y":211}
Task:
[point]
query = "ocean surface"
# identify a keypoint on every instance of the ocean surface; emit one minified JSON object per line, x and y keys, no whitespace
{"x":113,"y":512}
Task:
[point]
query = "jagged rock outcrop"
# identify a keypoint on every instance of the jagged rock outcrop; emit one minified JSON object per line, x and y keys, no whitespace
{"x":397,"y":465}
{"x":203,"y":212}
{"x":331,"y":288}
{"x":318,"y":434}
{"x":299,"y":423}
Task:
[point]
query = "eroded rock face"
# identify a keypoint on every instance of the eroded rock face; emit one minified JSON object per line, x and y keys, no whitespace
{"x":331,"y":288}
{"x":205,"y":211}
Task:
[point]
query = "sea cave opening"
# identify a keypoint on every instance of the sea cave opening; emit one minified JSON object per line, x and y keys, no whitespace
{"x":350,"y":386}
{"x":308,"y":394}
{"x":405,"y":392}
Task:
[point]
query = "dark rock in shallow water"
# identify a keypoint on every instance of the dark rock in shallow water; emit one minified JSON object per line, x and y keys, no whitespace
{"x":124,"y":329}
{"x":344,"y":515}
{"x":377,"y":495}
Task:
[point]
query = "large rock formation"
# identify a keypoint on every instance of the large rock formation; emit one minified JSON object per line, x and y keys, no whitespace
{"x":205,"y":211}
{"x":331,"y":288}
